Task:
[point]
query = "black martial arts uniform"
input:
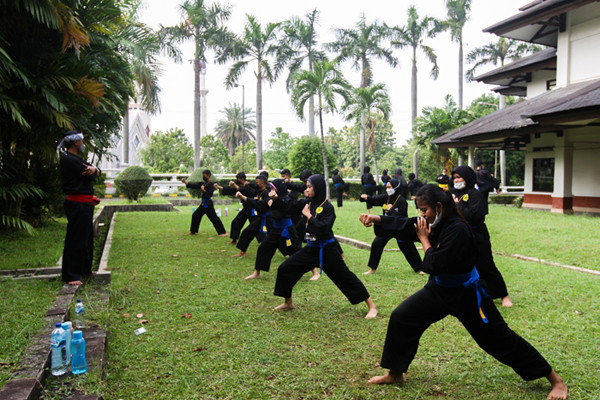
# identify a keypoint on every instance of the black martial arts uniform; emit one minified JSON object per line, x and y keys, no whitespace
{"x":473,"y":208}
{"x":281,"y":232}
{"x":79,"y":208}
{"x":258,"y":223}
{"x":320,"y":250}
{"x":244,"y":214}
{"x":340,"y":188}
{"x":452,"y":254}
{"x":206,"y":207}
{"x":395,"y":205}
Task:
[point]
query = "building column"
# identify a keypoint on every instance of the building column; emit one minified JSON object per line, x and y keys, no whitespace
{"x":471,"y":161}
{"x":562,"y":197}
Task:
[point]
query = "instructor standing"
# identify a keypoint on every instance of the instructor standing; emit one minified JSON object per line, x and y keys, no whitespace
{"x":77,"y":177}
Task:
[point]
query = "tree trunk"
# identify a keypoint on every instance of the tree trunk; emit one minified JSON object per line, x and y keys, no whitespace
{"x":196,"y":112}
{"x":311,"y":117}
{"x":259,"y":161}
{"x":460,"y":75}
{"x":413,"y":95}
{"x":324,"y":153}
{"x":362,"y":144}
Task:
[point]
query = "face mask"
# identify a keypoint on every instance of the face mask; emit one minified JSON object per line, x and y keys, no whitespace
{"x":81,"y":148}
{"x":459,"y":185}
{"x":390,"y":192}
{"x":438,"y":218}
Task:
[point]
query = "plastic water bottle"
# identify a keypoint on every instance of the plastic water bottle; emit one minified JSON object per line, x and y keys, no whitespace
{"x":226,"y":211}
{"x":59,"y":351}
{"x":78,"y":365}
{"x":218,"y":212}
{"x":68,"y":328}
{"x":79,"y":319}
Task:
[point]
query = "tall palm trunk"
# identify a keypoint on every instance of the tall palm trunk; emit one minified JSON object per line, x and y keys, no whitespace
{"x":125,"y":149}
{"x":460,"y":74}
{"x":374,"y":152}
{"x":197,"y":112}
{"x":311,"y":117}
{"x":259,"y":160}
{"x":323,"y":152}
{"x":413,"y":94}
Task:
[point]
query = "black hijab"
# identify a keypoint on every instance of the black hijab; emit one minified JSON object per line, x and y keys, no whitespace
{"x":318,"y":183}
{"x":467,"y":173}
{"x":280,"y":187}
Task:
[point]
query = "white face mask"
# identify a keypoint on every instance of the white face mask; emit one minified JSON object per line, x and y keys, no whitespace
{"x":390,"y":192}
{"x":438,"y":218}
{"x":81,"y":148}
{"x":459,"y":185}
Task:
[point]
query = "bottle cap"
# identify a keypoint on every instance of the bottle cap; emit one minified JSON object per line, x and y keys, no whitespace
{"x":79,"y":300}
{"x":77,"y":335}
{"x":64,"y":325}
{"x":69,"y":324}
{"x":58,"y":325}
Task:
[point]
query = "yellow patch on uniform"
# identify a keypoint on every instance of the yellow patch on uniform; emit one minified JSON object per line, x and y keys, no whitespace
{"x":319,"y":210}
{"x":288,"y":242}
{"x":384,"y":206}
{"x":264,"y":228}
{"x":465,"y":197}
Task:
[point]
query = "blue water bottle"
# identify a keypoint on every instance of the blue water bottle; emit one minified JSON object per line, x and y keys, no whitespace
{"x":59,"y":351}
{"x":78,"y":364}
{"x":79,"y":319}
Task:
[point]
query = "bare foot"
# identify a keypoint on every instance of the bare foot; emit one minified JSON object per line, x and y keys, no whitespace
{"x":421,"y":273}
{"x":506,"y":302}
{"x":240,"y":254}
{"x":315,"y":277}
{"x":559,"y":389}
{"x":223,"y":234}
{"x":387,"y":379}
{"x":370,"y":271}
{"x":372,"y":309}
{"x":255,"y":275}
{"x":232,"y":241}
{"x":75,"y":283}
{"x":287,"y":305}
{"x":191,"y":233}
{"x":343,"y":257}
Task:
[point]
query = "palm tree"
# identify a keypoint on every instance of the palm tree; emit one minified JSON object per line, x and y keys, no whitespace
{"x":412,"y":35}
{"x":299,"y":45}
{"x":205,"y":25}
{"x":234,"y":129}
{"x":325,"y":82}
{"x":458,"y":15}
{"x":497,"y":53}
{"x":256,"y":45}
{"x":365,"y":105}
{"x":361,"y":45}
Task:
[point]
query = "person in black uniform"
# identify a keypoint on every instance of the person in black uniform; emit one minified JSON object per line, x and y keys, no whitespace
{"x":207,"y":207}
{"x":385,"y":178}
{"x":403,"y":184}
{"x":486,"y":182}
{"x":241,"y":185}
{"x":453,"y":289}
{"x":443,"y":180}
{"x":413,"y":186}
{"x":258,"y":226}
{"x":77,"y":176}
{"x":281,"y":233}
{"x":393,"y":203}
{"x":319,"y":216}
{"x":369,"y":185}
{"x":340,"y":187}
{"x":473,"y":208}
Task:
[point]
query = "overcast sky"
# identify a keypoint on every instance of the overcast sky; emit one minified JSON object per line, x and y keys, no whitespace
{"x":177,"y":81}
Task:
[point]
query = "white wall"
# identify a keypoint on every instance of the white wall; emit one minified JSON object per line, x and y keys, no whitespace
{"x":537,"y":85}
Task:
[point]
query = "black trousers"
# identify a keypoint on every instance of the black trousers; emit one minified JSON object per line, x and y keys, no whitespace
{"x":304,"y":260}
{"x":339,"y":193}
{"x":238,"y":223}
{"x":408,"y":249}
{"x":485,"y":263}
{"x":209,"y":211}
{"x":79,"y":241}
{"x":272,"y":242}
{"x":431,"y":304}
{"x":252,"y":231}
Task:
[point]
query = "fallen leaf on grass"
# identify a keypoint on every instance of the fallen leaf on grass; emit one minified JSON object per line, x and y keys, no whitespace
{"x":158,"y":292}
{"x":577,"y":312}
{"x":175,"y":255}
{"x":200,"y":349}
{"x":120,"y":308}
{"x":139,"y":315}
{"x":223,"y":251}
{"x":126,"y":315}
{"x":186,"y":315}
{"x":143,"y":321}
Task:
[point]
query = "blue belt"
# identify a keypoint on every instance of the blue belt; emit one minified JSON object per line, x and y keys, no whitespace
{"x":468,"y":280}
{"x":337,"y":184}
{"x":369,"y":184}
{"x":320,"y":244}
{"x":205,"y":202}
{"x":263,"y":222}
{"x":253,"y":213}
{"x":283,"y":224}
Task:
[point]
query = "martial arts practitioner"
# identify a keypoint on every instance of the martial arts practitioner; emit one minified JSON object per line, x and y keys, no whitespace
{"x":340,"y":187}
{"x":320,"y":251}
{"x":206,"y":207}
{"x":281,"y":235}
{"x":394,"y":204}
{"x":77,"y":176}
{"x":453,"y":289}
{"x":473,"y":207}
{"x":241,"y":185}
{"x":369,"y":185}
{"x":259,"y":224}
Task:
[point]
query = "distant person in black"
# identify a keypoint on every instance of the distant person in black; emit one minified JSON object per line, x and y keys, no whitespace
{"x":206,"y":207}
{"x":393,"y":203}
{"x":77,"y":176}
{"x":473,"y":208}
{"x":486,"y":182}
{"x":240,"y":185}
{"x":403,"y":184}
{"x":443,"y":180}
{"x":368,"y":182}
{"x":340,"y":187}
{"x":259,"y":224}
{"x":318,"y":216}
{"x":385,"y":178}
{"x":413,"y":186}
{"x":452,"y":289}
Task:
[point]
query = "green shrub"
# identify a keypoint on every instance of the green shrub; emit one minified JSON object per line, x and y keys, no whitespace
{"x":196,"y":177}
{"x":504,"y":199}
{"x":133,"y":182}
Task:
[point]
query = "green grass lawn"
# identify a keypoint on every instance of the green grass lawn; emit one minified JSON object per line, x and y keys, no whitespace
{"x":233,"y":346}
